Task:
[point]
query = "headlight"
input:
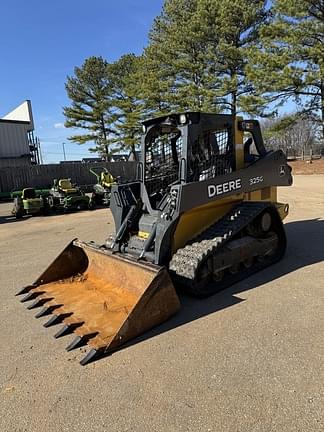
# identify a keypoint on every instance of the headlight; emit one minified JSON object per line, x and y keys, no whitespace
{"x":183,"y":119}
{"x":144,"y":129}
{"x":247,"y":126}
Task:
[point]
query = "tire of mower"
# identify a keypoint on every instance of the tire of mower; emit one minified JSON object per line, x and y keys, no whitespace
{"x":92,"y":205}
{"x":46,"y":208}
{"x":45,"y":211}
{"x":50,"y":201}
{"x":80,"y":206}
{"x":18,"y":209}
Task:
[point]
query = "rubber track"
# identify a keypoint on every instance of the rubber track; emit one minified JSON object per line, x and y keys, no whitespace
{"x":186,"y":262}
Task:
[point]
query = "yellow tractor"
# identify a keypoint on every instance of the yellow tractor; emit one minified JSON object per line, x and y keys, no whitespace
{"x":202,"y":215}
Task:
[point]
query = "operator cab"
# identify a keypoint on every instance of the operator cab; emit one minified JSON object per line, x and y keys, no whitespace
{"x":185,"y":148}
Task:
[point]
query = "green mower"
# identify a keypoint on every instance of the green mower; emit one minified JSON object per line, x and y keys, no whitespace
{"x":29,"y":203}
{"x":67,"y":197}
{"x":102,"y":189}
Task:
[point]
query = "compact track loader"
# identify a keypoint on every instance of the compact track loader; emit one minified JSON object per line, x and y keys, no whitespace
{"x":202,"y":214}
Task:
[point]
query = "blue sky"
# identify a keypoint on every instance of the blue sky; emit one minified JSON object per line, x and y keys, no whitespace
{"x":41,"y":43}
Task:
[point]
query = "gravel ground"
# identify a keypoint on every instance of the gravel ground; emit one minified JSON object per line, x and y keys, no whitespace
{"x":315,"y":166}
{"x":248,"y":359}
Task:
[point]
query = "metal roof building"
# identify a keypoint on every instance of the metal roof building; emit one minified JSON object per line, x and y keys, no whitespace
{"x":18,"y":146}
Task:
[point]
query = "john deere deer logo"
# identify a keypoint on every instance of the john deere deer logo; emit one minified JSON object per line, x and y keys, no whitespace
{"x":282,"y":171}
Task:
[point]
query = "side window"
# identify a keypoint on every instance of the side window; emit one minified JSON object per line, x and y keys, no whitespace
{"x":162,"y":158}
{"x":211,"y":155}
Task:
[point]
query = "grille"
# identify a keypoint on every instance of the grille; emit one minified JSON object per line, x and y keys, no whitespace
{"x":211,"y":155}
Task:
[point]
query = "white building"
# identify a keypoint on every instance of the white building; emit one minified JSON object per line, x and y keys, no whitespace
{"x":18,"y":146}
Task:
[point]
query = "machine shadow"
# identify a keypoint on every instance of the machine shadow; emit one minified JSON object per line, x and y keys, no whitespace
{"x":11,"y":219}
{"x":305,"y":247}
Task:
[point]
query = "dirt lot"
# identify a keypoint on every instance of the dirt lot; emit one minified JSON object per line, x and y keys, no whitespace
{"x":315,"y":166}
{"x":249,"y":359}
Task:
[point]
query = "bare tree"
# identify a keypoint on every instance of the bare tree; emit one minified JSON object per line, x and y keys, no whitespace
{"x":293,"y":134}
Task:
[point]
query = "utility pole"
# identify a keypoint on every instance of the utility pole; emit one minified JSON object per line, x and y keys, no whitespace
{"x":63,"y":145}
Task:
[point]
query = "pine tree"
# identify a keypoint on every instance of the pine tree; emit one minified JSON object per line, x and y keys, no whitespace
{"x":197,"y":50}
{"x":236,"y":26}
{"x":126,"y":102}
{"x":178,"y":60}
{"x":289,"y":63}
{"x":90,"y":91}
{"x":154,"y":81}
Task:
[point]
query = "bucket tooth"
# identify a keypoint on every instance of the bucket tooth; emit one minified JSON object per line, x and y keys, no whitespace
{"x":92,"y":354}
{"x":31,"y":296}
{"x":66,"y":329}
{"x":26,"y":289}
{"x":56,"y":319}
{"x":79,"y":341}
{"x":46,"y":311}
{"x":38,"y":303}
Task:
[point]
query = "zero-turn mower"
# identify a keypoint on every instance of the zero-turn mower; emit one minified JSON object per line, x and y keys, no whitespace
{"x":102,"y":189}
{"x":64,"y":196}
{"x":28,"y":203}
